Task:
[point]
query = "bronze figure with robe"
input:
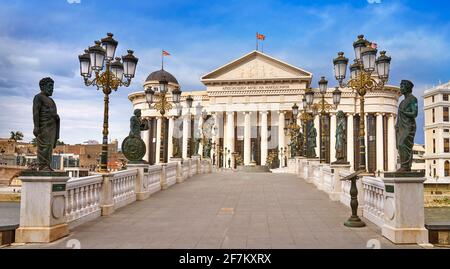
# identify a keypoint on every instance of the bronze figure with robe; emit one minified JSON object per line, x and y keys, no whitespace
{"x":406,"y":125}
{"x":312,"y":136}
{"x":46,"y":124}
{"x":341,"y":150}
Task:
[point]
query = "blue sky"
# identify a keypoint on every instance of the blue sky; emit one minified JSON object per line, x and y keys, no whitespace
{"x":44,"y":38}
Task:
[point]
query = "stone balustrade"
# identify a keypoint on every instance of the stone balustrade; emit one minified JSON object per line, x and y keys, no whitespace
{"x":83,"y":199}
{"x":80,"y":200}
{"x":386,"y":202}
{"x":373,"y":206}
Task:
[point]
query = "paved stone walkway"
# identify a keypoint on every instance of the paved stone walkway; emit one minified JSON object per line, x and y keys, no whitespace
{"x":229,"y":210}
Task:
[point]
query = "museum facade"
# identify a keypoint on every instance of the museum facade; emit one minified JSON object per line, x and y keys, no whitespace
{"x":242,"y":117}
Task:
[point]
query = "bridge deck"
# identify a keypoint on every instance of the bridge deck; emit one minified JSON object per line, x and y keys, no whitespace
{"x":229,"y":210}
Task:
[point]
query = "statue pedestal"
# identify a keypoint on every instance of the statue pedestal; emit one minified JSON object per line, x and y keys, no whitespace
{"x":42,"y":207}
{"x":180,"y":178}
{"x":141,"y":190}
{"x":309,"y":170}
{"x":335,"y":194}
{"x":299,"y":163}
{"x":404,"y":216}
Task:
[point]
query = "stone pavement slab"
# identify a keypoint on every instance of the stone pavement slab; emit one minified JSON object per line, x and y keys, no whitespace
{"x":229,"y":211}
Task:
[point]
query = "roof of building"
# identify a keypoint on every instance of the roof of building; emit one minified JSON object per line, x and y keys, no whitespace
{"x":161,"y":75}
{"x":441,"y":87}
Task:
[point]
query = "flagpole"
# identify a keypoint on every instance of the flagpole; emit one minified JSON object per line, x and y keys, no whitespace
{"x":162,"y":59}
{"x":256,"y":40}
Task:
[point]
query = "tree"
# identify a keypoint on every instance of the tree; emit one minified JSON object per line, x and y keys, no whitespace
{"x":60,"y":143}
{"x":16,"y":136}
{"x":34,"y":142}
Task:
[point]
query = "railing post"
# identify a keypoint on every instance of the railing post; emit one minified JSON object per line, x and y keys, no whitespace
{"x":190,"y":167}
{"x":141,"y":188}
{"x":163,"y":180}
{"x":42,"y":207}
{"x":335,"y":194}
{"x":404,"y":216}
{"x":107,"y":195}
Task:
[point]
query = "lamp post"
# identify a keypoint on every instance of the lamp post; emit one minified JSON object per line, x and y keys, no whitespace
{"x":110,"y":74}
{"x":361,"y":79}
{"x":322,"y":107}
{"x":157,"y":99}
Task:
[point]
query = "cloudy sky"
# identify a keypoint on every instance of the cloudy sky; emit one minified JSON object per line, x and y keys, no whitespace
{"x":44,"y":38}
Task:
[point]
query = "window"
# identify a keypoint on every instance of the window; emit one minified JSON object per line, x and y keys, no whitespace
{"x":447,"y":168}
{"x":445,"y":97}
{"x":445,"y":130}
{"x":432,"y":99}
{"x":434,"y":145}
{"x":446,"y":145}
{"x":433,"y":114}
{"x":434,"y":131}
{"x":446,"y":113}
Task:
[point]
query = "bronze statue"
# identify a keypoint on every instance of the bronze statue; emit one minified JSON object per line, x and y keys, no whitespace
{"x":340,"y":138}
{"x":207,"y":149}
{"x":46,"y":124}
{"x":406,"y":125}
{"x":133,"y":147}
{"x":176,"y":147}
{"x":312,"y":135}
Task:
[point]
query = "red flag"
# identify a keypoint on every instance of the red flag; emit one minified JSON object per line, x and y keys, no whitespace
{"x":165,"y":53}
{"x":260,"y":36}
{"x":374,"y":45}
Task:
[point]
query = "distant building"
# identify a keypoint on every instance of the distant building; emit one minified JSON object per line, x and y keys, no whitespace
{"x":418,"y":163}
{"x":89,"y":154}
{"x":437,"y":131}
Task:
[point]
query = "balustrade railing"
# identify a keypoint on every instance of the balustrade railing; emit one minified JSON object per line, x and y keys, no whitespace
{"x":373,"y":200}
{"x":83,"y":199}
{"x":171,"y":173}
{"x":124,"y":188}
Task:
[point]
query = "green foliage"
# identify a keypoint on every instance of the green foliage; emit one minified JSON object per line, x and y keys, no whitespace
{"x":16,"y":136}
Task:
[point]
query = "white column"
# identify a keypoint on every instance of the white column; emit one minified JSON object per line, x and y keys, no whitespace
{"x":146,"y":136}
{"x":350,"y":141}
{"x":230,"y":137}
{"x":392,"y":151}
{"x":247,"y":138}
{"x":170,"y":138}
{"x":264,"y":137}
{"x":281,"y":142}
{"x":200,"y":134}
{"x":332,"y":137}
{"x":317,"y":126}
{"x":158,"y":139}
{"x":379,"y":142}
{"x":186,"y":127}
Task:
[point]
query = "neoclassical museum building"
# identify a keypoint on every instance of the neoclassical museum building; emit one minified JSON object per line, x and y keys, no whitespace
{"x":243,"y":114}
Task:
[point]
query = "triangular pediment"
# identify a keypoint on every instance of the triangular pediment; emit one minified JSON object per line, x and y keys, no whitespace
{"x":256,"y":66}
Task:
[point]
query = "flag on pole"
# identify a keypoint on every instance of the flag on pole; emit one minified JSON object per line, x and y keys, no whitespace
{"x":260,"y":36}
{"x":374,"y":45}
{"x":165,"y":53}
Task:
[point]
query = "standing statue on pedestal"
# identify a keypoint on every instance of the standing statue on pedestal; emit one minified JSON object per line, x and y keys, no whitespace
{"x":133,"y":147}
{"x":340,"y":138}
{"x":406,"y":125}
{"x":312,"y":135}
{"x":207,"y":149}
{"x":197,"y":141}
{"x":46,"y":124}
{"x":176,"y":147}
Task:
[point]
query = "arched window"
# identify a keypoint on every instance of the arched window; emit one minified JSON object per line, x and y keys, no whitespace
{"x":447,"y":168}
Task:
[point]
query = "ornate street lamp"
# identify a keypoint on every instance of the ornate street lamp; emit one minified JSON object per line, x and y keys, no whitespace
{"x":109,"y":76}
{"x":322,"y":107}
{"x":361,"y":79}
{"x":159,"y":100}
